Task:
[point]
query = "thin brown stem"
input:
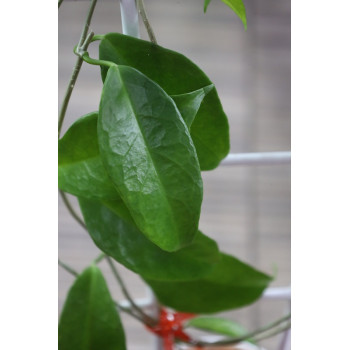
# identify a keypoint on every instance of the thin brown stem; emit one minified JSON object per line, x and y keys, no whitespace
{"x":87,"y":22}
{"x":68,"y":268}
{"x":76,"y":69}
{"x":68,"y":93}
{"x":143,"y":14}
{"x":71,"y":209}
{"x":273,"y":333}
{"x":128,"y":311}
{"x":146,"y":318}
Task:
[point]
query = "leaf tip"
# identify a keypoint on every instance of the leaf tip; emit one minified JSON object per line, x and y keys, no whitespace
{"x":206,"y":3}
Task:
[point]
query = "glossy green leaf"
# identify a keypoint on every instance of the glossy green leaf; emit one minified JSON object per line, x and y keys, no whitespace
{"x":148,"y":152}
{"x":80,"y":168}
{"x":231,"y":284}
{"x":89,"y":319}
{"x":206,"y":3}
{"x":189,"y":104}
{"x":217,"y":325}
{"x":177,"y":75}
{"x":236,"y":5}
{"x":114,"y":233}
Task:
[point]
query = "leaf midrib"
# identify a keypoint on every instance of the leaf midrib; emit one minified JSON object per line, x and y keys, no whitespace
{"x":148,"y":151}
{"x":88,"y":321}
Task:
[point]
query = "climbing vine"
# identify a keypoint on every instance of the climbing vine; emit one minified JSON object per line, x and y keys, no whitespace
{"x":135,"y":167}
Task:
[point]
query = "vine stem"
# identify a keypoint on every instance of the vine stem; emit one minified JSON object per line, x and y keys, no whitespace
{"x":76,"y":69}
{"x":143,"y":14}
{"x":99,"y":258}
{"x":84,"y":42}
{"x":71,"y":210}
{"x":68,"y":94}
{"x":252,"y":334}
{"x":87,"y":22}
{"x":68,"y":268}
{"x":146,"y":319}
{"x":271,"y":334}
{"x":85,"y":56}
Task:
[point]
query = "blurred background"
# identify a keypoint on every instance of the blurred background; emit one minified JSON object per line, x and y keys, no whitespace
{"x":246,"y":209}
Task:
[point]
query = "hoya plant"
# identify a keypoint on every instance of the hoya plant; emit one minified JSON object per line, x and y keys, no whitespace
{"x":135,"y":167}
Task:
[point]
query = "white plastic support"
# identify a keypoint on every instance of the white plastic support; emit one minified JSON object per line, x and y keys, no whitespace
{"x":129,"y":15}
{"x":264,"y":158}
{"x":130,"y":18}
{"x":277,"y":293}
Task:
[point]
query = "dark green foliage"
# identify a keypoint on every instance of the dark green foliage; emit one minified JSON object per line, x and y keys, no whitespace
{"x":80,"y":168}
{"x":89,"y":320}
{"x":148,"y":153}
{"x":189,"y":104}
{"x":231,"y":284}
{"x":177,"y":75}
{"x":135,"y":166}
{"x":113,"y":231}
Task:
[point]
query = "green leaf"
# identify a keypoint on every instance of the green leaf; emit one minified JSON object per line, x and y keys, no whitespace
{"x":80,"y":168}
{"x":217,"y":325}
{"x":189,"y":104}
{"x":238,"y":7}
{"x":114,"y":233}
{"x":177,"y":75}
{"x":206,"y":3}
{"x":148,"y":152}
{"x":89,"y":319}
{"x":231,"y":284}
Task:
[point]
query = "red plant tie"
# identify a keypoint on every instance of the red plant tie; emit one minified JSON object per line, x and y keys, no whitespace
{"x":170,"y":327}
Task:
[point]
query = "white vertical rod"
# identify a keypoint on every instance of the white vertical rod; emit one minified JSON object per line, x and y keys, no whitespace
{"x":130,"y":18}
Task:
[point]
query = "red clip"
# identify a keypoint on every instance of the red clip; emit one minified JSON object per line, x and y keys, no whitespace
{"x":170,"y":327}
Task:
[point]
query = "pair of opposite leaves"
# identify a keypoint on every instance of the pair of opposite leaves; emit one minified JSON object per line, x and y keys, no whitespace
{"x":145,"y":148}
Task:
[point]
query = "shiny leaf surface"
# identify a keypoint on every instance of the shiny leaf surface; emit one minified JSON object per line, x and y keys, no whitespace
{"x":111,"y":228}
{"x":177,"y":75}
{"x":189,"y":104}
{"x":231,"y":284}
{"x":148,"y":152}
{"x":80,"y":168}
{"x":89,"y":319}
